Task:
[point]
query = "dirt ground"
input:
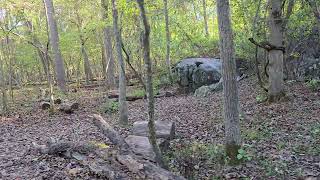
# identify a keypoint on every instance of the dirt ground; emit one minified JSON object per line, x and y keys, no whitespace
{"x":282,"y":140}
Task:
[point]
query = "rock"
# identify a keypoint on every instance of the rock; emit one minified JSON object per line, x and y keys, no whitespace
{"x":132,"y":164}
{"x":69,"y":107}
{"x":45,"y":105}
{"x":311,"y":68}
{"x":303,"y":68}
{"x":196,"y":72}
{"x":168,"y":94}
{"x":164,"y":129}
{"x":205,"y":90}
{"x":140,"y":145}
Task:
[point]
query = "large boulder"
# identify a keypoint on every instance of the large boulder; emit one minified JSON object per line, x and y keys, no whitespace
{"x":164,"y":129}
{"x":140,"y":145}
{"x":204,"y":91}
{"x":303,"y":68}
{"x":193,"y":73}
{"x":310,"y":68}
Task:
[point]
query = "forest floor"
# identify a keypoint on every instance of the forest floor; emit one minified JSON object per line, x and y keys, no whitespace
{"x":281,"y":141}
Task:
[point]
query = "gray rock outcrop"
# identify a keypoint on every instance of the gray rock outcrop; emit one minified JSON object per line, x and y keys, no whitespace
{"x":139,"y":141}
{"x":193,"y":73}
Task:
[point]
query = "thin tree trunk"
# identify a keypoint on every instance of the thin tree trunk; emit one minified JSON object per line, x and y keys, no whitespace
{"x":254,"y":34}
{"x":204,"y":4}
{"x":49,"y":79}
{"x":168,"y":61}
{"x":276,"y":89}
{"x":123,"y":107}
{"x":3,"y":86}
{"x":38,"y":46}
{"x":140,"y":78}
{"x":54,"y":41}
{"x":9,"y":55}
{"x":194,"y":9}
{"x":110,"y":57}
{"x":286,"y":41}
{"x":230,"y":90}
{"x":86,"y":63}
{"x":108,"y":52}
{"x":104,"y":62}
{"x":150,"y":96}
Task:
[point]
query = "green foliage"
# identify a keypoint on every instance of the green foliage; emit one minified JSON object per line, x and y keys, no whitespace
{"x":190,"y":158}
{"x":138,"y":93}
{"x":110,"y":107}
{"x":262,"y":97}
{"x":275,"y":168}
{"x":243,"y":154}
{"x":75,"y":18}
{"x":313,"y":84}
{"x":251,"y":134}
{"x":315,"y":131}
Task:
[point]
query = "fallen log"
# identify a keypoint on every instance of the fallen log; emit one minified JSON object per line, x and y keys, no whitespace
{"x":128,"y":158}
{"x":45,"y":105}
{"x":99,"y":161}
{"x":86,"y":154}
{"x":150,"y":170}
{"x":128,"y":98}
{"x":108,"y":131}
{"x":134,"y":98}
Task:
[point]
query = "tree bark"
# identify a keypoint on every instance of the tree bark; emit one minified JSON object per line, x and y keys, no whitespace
{"x":123,"y":107}
{"x":150,"y":95}
{"x":204,"y":4}
{"x":140,"y":78}
{"x":54,"y":41}
{"x":37,"y":45}
{"x":4,"y":97}
{"x":108,"y":52}
{"x":86,"y":63}
{"x":230,"y":90}
{"x":168,"y":39}
{"x":276,"y":89}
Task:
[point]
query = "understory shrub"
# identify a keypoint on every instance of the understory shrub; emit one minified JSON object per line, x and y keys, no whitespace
{"x":191,"y":159}
{"x":110,"y":107}
{"x":313,"y":84}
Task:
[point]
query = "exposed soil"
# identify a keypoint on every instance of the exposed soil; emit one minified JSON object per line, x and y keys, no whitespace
{"x":283,"y":139}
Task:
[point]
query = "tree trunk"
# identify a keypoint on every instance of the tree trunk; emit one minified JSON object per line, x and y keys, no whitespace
{"x":3,"y":86}
{"x":54,"y":41}
{"x":230,"y":91}
{"x":168,"y":61}
{"x":38,"y":46}
{"x":150,"y":96}
{"x":204,"y":4}
{"x":86,"y":63}
{"x":123,"y":108}
{"x":194,"y":9}
{"x":108,"y":53}
{"x":276,"y":89}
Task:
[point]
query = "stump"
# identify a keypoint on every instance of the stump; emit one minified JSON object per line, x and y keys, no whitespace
{"x":69,"y":107}
{"x":45,"y":105}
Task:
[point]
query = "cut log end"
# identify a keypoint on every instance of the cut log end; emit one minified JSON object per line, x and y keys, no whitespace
{"x":45,"y":105}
